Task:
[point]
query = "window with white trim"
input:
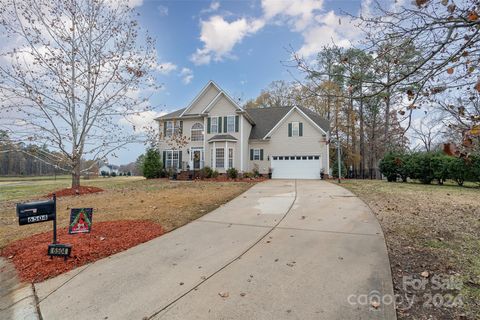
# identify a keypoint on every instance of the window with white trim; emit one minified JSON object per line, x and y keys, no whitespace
{"x":169,"y":128}
{"x":230,"y":157}
{"x":256,"y":154}
{"x":171,"y":160}
{"x":196,"y":133}
{"x":220,"y":158}
{"x":231,"y":124}
{"x":295,"y":129}
{"x":214,"y":125}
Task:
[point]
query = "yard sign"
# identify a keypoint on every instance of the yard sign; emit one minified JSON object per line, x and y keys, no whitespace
{"x":80,"y":220}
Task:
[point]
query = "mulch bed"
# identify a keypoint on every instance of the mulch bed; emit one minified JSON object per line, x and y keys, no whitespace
{"x":74,"y":191}
{"x":30,"y":257}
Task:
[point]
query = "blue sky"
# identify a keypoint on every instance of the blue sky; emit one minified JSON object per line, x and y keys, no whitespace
{"x":239,"y":44}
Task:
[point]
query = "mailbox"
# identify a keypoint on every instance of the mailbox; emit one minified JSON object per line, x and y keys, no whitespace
{"x":34,"y":212}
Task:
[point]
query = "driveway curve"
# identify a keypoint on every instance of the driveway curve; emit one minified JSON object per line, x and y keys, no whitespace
{"x":284,"y":249}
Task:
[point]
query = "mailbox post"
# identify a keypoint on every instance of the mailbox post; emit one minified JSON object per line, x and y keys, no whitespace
{"x":41,"y":211}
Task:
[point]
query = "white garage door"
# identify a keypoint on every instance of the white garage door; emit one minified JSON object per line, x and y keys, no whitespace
{"x":295,"y":167}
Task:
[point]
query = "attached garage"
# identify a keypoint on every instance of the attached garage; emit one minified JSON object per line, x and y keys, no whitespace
{"x":296,"y":167}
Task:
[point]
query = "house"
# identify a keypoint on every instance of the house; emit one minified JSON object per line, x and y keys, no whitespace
{"x":109,"y":169}
{"x":291,"y":142}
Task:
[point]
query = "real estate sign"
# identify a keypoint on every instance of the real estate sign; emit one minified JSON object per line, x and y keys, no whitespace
{"x":80,"y":220}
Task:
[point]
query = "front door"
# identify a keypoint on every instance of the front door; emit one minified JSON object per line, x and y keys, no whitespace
{"x":197,"y":157}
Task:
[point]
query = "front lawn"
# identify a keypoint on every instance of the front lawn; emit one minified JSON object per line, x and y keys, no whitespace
{"x":431,"y":231}
{"x":171,"y":204}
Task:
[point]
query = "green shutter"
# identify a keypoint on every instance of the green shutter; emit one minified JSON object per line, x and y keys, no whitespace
{"x":164,"y":129}
{"x":236,"y":123}
{"x":164,"y":158}
{"x":261,"y":154}
{"x":179,"y":159}
{"x":181,"y":127}
{"x":208,"y":125}
{"x":290,"y":129}
{"x":225,"y":124}
{"x":300,"y":129}
{"x":251,"y":154}
{"x":219,"y":125}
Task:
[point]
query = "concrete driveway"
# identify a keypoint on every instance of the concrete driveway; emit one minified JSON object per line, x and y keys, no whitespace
{"x":300,"y":249}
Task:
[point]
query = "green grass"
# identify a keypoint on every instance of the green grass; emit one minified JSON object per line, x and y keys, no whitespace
{"x":32,"y":187}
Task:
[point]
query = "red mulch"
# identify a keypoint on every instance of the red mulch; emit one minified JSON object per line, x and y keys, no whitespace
{"x":30,"y":257}
{"x":227,"y":179}
{"x":75,"y":191}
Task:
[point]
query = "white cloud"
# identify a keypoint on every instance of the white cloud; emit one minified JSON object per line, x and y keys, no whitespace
{"x":162,"y":10}
{"x":187,"y":75}
{"x":299,"y":13}
{"x":329,"y":28}
{"x":141,"y":122}
{"x":166,"y":67}
{"x":220,"y":36}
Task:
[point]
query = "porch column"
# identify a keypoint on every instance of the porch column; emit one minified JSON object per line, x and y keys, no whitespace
{"x":214,"y":156}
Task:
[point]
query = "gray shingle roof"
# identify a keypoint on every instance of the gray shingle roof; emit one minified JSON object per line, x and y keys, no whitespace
{"x":173,"y":114}
{"x":266,"y":118}
{"x":222,"y":137}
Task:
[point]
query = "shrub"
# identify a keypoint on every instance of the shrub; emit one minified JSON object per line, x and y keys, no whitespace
{"x":247,"y":175}
{"x":458,"y":170}
{"x":103,"y":173}
{"x":214,"y":174}
{"x":129,"y":174}
{"x":152,"y":165}
{"x":206,"y":172}
{"x":441,"y":167}
{"x":389,"y":166}
{"x":473,"y":168}
{"x":232,"y":173}
{"x":114,"y":174}
{"x":335,"y":169}
{"x":420,"y":167}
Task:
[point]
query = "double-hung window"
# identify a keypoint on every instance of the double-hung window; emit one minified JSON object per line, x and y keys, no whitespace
{"x":220,"y":158}
{"x":169,"y":128}
{"x":256,"y":154}
{"x":231,"y":124}
{"x":230,"y":157}
{"x":295,"y":129}
{"x":172,"y":158}
{"x":214,"y":125}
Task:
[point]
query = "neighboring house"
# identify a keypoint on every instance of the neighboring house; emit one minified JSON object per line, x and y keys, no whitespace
{"x":213,"y":130}
{"x":108,"y":168}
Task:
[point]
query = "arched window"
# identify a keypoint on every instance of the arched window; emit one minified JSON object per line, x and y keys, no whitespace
{"x":197,"y":132}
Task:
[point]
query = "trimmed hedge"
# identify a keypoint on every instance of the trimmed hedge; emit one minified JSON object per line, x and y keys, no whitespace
{"x":430,"y":166}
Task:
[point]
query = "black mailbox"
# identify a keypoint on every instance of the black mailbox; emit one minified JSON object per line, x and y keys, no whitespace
{"x":34,"y":212}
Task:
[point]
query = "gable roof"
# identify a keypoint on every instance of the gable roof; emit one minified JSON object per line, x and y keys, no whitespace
{"x":267,"y":118}
{"x":171,"y":115}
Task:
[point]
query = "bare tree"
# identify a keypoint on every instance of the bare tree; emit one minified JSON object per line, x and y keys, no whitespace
{"x":428,"y":131}
{"x":72,"y":74}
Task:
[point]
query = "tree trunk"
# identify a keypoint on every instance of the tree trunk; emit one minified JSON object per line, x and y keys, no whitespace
{"x":362,"y":138}
{"x":76,"y":175}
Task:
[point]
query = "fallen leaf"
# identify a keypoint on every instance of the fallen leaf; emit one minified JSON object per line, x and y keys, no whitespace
{"x":243,"y":294}
{"x":223,"y":294}
{"x":375,"y":304}
{"x":425,"y":274}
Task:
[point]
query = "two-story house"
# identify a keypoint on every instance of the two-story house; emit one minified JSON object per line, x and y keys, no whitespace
{"x":291,"y":142}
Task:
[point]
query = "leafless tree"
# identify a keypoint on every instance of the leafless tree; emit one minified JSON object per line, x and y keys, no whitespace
{"x":72,"y":74}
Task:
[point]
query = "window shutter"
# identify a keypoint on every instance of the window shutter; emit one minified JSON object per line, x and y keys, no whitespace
{"x":181,"y":127}
{"x":261,"y":154}
{"x":164,"y":129}
{"x":164,"y":158}
{"x":300,"y":129}
{"x":208,"y":125}
{"x":290,"y":129}
{"x":180,"y":159}
{"x":251,"y":154}
{"x":219,"y":125}
{"x":236,"y":123}
{"x":225,"y":124}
